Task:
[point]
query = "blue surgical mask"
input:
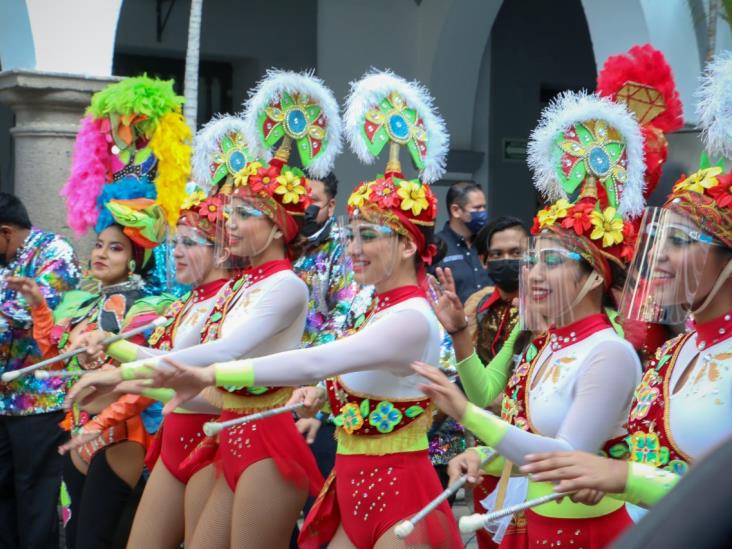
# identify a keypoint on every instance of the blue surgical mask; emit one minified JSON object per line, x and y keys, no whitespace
{"x":477,"y":221}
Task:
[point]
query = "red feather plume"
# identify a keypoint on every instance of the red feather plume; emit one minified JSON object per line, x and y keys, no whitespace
{"x":644,"y":65}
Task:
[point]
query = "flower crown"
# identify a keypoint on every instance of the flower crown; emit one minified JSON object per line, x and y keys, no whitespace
{"x":286,"y":185}
{"x":202,"y":212}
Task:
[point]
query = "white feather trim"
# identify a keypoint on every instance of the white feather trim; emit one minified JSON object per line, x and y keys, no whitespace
{"x":566,"y":110}
{"x":367,"y":92}
{"x":269,"y":89}
{"x":207,"y":144}
{"x":714,"y":105}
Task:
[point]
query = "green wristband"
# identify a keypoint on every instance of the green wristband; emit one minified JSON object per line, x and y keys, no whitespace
{"x":135,"y":370}
{"x":484,"y":425}
{"x":236,"y":374}
{"x":162,"y":394}
{"x":122,"y":351}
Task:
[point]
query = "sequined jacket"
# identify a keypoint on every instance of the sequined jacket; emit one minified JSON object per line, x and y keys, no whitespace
{"x":51,"y":261}
{"x":335,"y":299}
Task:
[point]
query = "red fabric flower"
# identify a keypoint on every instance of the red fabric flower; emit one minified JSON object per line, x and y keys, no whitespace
{"x":385,"y":194}
{"x":722,"y":193}
{"x":211,"y":209}
{"x":264,"y":179}
{"x":535,"y":227}
{"x":578,"y":218}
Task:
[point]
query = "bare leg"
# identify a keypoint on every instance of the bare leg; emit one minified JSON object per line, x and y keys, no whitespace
{"x":197,"y":491}
{"x":126,"y":459}
{"x":266,"y":507}
{"x":158,"y":521}
{"x":213,"y":530}
{"x":388,"y":540}
{"x":340,"y":540}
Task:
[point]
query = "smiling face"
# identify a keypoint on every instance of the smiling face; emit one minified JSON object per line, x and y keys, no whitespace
{"x":249,"y":231}
{"x":111,"y":255}
{"x":373,"y":250}
{"x":193,"y":254}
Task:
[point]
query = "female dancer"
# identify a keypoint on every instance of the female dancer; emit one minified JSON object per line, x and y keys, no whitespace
{"x":573,"y":386}
{"x":110,"y":187}
{"x":268,"y":468}
{"x":382,"y":472}
{"x":683,"y":265}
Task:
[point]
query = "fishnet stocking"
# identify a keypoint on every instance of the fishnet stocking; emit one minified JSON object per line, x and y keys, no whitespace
{"x":266,"y":507}
{"x":159,"y":519}
{"x":198,"y":490}
{"x":213,"y":530}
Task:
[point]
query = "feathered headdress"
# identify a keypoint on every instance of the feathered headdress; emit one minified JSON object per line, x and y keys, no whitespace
{"x":288,"y":108}
{"x":133,"y":134}
{"x":642,"y":80}
{"x":587,"y":155}
{"x":384,"y":108}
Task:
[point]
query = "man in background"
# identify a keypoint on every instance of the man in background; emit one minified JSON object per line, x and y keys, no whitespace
{"x":466,"y":208}
{"x":30,"y":409}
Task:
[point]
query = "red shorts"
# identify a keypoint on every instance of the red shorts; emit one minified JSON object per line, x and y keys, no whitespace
{"x":587,"y":533}
{"x":178,"y":437}
{"x":275,"y":438}
{"x":368,"y":495}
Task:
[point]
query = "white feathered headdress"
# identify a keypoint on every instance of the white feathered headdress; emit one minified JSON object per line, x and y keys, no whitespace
{"x":714,"y":107}
{"x":289,"y":106}
{"x":384,"y":108}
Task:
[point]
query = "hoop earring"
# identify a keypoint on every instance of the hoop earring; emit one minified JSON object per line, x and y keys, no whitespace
{"x":132,"y":265}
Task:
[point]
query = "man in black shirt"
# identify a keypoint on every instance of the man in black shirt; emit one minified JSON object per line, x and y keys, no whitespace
{"x":466,"y":208}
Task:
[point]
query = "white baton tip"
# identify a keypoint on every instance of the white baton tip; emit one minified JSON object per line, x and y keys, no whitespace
{"x":403,"y":529}
{"x":212,"y":428}
{"x":7,"y":377}
{"x":42,"y":374}
{"x":158,"y":321}
{"x":471,"y":523}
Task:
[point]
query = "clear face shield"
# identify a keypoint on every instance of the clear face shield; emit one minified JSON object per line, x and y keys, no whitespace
{"x":372,"y":249}
{"x":244,"y":232}
{"x":671,"y":273}
{"x":553,"y":280}
{"x":192,"y":253}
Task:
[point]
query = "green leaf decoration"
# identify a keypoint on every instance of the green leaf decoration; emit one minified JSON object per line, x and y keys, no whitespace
{"x":618,"y":451}
{"x":312,"y":112}
{"x":238,"y":283}
{"x":306,"y":153}
{"x":63,"y":340}
{"x":381,"y":138}
{"x":584,"y":135}
{"x":142,"y":155}
{"x":257,"y":390}
{"x":531,"y":352}
{"x":216,"y":317}
{"x":338,"y":420}
{"x":410,"y":115}
{"x":385,"y":105}
{"x":413,"y":411}
{"x":704,"y":161}
{"x":286,"y":101}
{"x":414,"y":152}
{"x":364,"y":408}
{"x":221,"y":172}
{"x":664,"y":360}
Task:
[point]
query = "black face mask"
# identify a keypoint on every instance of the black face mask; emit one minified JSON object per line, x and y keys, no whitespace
{"x":505,"y":274}
{"x":310,"y":225}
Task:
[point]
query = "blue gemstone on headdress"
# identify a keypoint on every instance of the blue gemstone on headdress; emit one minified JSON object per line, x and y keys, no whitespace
{"x":296,"y":121}
{"x":599,"y":161}
{"x":237,"y":161}
{"x":398,"y":126}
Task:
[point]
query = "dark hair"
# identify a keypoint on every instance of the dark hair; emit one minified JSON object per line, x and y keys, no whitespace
{"x":13,"y":212}
{"x":458,"y":193}
{"x":483,"y":238}
{"x":330,"y":182}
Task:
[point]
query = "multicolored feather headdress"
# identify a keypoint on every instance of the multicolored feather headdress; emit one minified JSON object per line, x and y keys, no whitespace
{"x":587,"y":156}
{"x":382,"y":109}
{"x":132,"y":136}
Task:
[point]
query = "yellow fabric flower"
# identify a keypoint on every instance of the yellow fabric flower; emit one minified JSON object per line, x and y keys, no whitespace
{"x":413,"y":196}
{"x":241,"y":177}
{"x":608,"y":226}
{"x":703,"y":179}
{"x":193,"y":199}
{"x":359,"y":196}
{"x":548,"y":216}
{"x":290,"y":185}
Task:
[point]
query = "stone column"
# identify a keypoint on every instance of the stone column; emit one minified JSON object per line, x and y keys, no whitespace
{"x":48,"y":107}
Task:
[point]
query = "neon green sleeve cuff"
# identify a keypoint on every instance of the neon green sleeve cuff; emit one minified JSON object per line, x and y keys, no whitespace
{"x":647,"y":485}
{"x":138,"y":369}
{"x":162,"y":394}
{"x":122,"y":351}
{"x":237,"y":373}
{"x":484,"y":425}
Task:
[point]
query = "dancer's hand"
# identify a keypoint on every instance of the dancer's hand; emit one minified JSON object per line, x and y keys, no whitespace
{"x":575,"y":471}
{"x":312,"y":400}
{"x":448,"y":307}
{"x":308,"y":427}
{"x":28,"y":288}
{"x":79,"y":440}
{"x":466,"y":463}
{"x":91,"y":341}
{"x":445,"y":394}
{"x":93,"y":385}
{"x":187,"y":381}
